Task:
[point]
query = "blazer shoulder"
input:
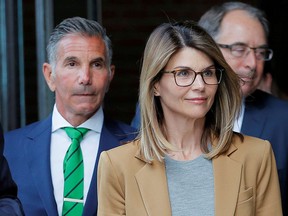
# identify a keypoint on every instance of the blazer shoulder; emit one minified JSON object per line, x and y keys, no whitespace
{"x":126,"y":150}
{"x":251,"y":148}
{"x":250,"y":142}
{"x":124,"y":156}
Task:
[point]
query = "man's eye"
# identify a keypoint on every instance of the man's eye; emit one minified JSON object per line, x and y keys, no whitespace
{"x":239,"y":49}
{"x":261,"y":51}
{"x":70,"y":64}
{"x":98,"y":65}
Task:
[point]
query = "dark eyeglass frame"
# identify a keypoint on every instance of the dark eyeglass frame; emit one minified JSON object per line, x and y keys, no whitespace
{"x":174,"y":72}
{"x":230,"y":47}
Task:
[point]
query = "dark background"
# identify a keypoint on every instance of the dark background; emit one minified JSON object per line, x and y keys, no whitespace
{"x":129,"y":23}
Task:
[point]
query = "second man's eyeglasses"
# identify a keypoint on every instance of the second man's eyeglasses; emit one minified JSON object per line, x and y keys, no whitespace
{"x":241,"y":50}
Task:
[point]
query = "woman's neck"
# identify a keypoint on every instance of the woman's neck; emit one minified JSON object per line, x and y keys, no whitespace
{"x":186,"y":137}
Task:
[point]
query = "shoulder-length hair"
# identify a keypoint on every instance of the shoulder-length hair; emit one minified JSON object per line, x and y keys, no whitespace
{"x":163,"y":42}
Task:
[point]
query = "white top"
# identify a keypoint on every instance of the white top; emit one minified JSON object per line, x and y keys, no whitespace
{"x":60,"y":142}
{"x":239,"y":120}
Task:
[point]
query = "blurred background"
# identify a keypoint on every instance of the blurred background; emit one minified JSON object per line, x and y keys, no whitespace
{"x":25,"y":26}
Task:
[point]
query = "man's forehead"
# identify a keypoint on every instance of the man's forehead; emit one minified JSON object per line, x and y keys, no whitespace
{"x":78,"y":39}
{"x":238,"y":26}
{"x":82,"y":44}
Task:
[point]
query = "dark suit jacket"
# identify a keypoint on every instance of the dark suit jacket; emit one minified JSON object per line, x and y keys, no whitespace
{"x":9,"y":203}
{"x":266,"y":117}
{"x":28,"y":153}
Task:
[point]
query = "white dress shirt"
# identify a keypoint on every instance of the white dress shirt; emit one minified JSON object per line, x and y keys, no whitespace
{"x":60,"y":142}
{"x":239,"y":120}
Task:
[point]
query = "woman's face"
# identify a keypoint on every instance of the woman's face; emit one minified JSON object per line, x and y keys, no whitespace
{"x":191,"y":102}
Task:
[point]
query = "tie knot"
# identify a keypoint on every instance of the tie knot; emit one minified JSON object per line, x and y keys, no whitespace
{"x":76,"y":133}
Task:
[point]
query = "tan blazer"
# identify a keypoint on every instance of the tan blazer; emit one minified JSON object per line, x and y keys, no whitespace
{"x":245,"y":181}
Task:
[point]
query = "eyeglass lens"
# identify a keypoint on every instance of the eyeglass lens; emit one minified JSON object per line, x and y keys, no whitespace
{"x":240,"y":50}
{"x":186,"y":77}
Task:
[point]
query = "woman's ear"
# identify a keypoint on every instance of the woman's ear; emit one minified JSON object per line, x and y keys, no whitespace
{"x":155,"y":88}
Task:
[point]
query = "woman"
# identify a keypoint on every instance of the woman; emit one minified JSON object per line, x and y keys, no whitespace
{"x":187,"y":160}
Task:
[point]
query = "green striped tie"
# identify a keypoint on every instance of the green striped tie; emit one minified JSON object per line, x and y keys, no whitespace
{"x":73,"y":173}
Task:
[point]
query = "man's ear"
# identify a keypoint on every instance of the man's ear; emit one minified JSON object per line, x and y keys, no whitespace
{"x":112,"y":71}
{"x":47,"y":72}
{"x":111,"y":75}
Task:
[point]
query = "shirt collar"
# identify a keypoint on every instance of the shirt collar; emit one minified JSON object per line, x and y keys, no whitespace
{"x":238,"y":122}
{"x":94,"y":123}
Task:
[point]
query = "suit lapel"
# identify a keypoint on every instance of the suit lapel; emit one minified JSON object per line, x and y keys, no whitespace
{"x":227,"y":178}
{"x":37,"y":151}
{"x":111,"y":136}
{"x":254,"y":119}
{"x":252,"y":122}
{"x":152,"y":183}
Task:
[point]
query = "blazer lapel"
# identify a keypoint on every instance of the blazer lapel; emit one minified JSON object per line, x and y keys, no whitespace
{"x":106,"y":140}
{"x":152,"y":183}
{"x":153,"y":187}
{"x":227,"y":178}
{"x":37,"y":151}
{"x":111,"y":136}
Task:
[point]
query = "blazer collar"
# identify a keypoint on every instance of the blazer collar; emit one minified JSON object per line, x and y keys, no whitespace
{"x":111,"y":136}
{"x":227,"y":178}
{"x":152,"y":184}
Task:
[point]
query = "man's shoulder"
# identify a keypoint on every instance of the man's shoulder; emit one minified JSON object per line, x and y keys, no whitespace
{"x":119,"y":129}
{"x":124,"y":154}
{"x":118,"y":125}
{"x":30,"y":128}
{"x":267,"y":101}
{"x":269,"y":97}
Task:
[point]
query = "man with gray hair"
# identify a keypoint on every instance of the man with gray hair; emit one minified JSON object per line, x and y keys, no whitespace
{"x":54,"y":161}
{"x":241,"y":32}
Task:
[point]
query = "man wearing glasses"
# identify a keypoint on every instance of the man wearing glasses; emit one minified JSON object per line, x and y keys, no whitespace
{"x":241,"y":32}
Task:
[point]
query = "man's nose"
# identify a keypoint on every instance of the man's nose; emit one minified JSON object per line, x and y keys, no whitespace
{"x":251,"y":58}
{"x":85,"y":76}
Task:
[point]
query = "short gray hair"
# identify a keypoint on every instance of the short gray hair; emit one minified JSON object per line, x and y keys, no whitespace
{"x":212,"y":19}
{"x":77,"y":25}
